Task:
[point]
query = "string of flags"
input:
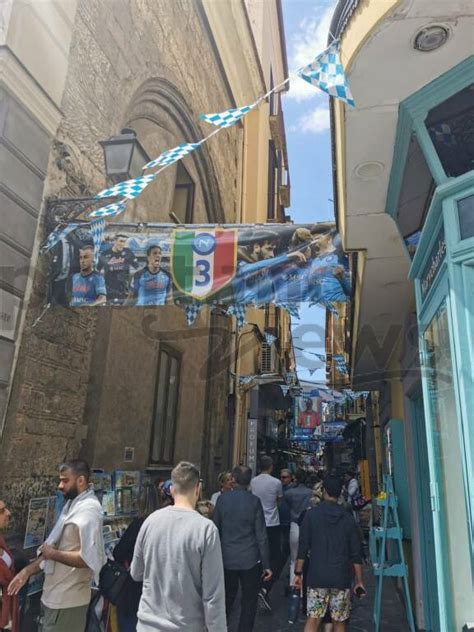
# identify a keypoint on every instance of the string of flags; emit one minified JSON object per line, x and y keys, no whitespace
{"x":269,"y":338}
{"x":57,"y":234}
{"x":325,"y":72}
{"x":239,"y":312}
{"x":291,"y":308}
{"x":340,"y":364}
{"x":97,"y":232}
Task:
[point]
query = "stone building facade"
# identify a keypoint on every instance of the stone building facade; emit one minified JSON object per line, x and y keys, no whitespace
{"x":86,"y":382}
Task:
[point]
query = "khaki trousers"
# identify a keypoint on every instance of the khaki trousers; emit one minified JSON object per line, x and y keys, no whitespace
{"x":64,"y":619}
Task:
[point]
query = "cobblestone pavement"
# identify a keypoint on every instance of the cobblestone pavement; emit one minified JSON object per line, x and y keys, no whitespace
{"x":393,"y":611}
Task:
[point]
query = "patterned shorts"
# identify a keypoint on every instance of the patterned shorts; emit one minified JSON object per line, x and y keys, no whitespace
{"x":339,"y":602}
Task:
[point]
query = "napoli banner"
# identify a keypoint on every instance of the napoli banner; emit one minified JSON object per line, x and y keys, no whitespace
{"x":152,"y":265}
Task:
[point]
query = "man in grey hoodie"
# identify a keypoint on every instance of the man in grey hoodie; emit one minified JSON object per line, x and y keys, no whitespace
{"x":329,"y":534}
{"x":178,"y":558}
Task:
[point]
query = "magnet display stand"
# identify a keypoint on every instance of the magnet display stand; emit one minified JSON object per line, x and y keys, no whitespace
{"x":386,"y":552}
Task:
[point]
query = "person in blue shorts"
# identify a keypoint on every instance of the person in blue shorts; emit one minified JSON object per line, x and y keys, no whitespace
{"x":328,"y":278}
{"x":258,"y":269}
{"x":87,"y":287}
{"x":152,"y":285}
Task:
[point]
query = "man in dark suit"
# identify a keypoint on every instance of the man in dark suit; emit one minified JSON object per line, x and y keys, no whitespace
{"x":241,"y":524}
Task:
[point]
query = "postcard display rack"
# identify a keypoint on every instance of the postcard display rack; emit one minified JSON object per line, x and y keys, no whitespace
{"x":119,"y":493}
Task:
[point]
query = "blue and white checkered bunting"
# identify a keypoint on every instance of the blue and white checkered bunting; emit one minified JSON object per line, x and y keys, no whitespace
{"x":269,"y":338}
{"x":340,"y":364}
{"x":327,"y":73}
{"x":170,"y":156}
{"x":312,"y":371}
{"x":97,"y":231}
{"x":245,"y":380}
{"x":129,"y":189}
{"x":57,"y":234}
{"x":109,"y":211}
{"x":284,"y":389}
{"x":291,"y":308}
{"x":192,"y":310}
{"x":227,"y":118}
{"x":239,"y":312}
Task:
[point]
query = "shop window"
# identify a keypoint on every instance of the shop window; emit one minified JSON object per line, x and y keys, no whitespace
{"x":166,"y":406}
{"x":451,"y":127}
{"x":466,"y":216}
{"x":415,"y":196}
{"x":183,"y":200}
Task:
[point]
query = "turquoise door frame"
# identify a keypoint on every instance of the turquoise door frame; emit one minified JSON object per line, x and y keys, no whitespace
{"x":425,"y":530}
{"x":438,"y":296}
{"x":452,"y":283}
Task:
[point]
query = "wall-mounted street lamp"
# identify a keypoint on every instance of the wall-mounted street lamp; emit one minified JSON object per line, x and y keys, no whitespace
{"x":124,"y":158}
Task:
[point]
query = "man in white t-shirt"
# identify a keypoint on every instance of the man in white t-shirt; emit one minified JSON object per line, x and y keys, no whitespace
{"x":71,"y":556}
{"x":270,"y":491}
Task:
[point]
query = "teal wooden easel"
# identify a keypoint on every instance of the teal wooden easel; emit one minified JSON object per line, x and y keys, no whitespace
{"x":381,"y":547}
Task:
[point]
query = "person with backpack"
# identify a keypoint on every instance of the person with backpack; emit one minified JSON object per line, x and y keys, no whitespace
{"x":127,"y":604}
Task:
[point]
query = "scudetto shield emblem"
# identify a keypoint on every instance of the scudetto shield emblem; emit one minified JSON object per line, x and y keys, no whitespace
{"x":203,"y":261}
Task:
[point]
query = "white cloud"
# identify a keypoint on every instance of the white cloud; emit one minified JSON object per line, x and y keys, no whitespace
{"x":310,"y":40}
{"x":313,"y":122}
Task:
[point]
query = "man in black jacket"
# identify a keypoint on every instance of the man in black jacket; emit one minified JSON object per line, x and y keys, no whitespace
{"x":329,"y":534}
{"x":241,"y":524}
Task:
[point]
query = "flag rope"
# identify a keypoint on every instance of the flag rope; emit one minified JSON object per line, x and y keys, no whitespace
{"x":131,"y":189}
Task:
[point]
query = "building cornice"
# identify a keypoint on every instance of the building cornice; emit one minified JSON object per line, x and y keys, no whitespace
{"x":16,"y":79}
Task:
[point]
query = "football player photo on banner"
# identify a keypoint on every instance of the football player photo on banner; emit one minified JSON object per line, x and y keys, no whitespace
{"x":160,"y":264}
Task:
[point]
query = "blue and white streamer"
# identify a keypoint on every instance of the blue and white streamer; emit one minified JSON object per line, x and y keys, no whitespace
{"x":172,"y":155}
{"x":326,"y":72}
{"x":97,"y":231}
{"x":192,"y":310}
{"x":227,"y":118}
{"x":269,"y":338}
{"x":291,"y":308}
{"x":340,"y":364}
{"x":57,"y":234}
{"x":239,"y":312}
{"x":110,"y":210}
{"x":129,"y":189}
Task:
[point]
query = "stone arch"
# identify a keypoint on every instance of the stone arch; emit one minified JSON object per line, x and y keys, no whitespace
{"x":160,"y":102}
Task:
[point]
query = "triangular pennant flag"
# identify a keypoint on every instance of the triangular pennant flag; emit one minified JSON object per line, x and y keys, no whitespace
{"x":57,"y":234}
{"x":239,"y":312}
{"x":269,"y":338}
{"x":327,"y":73}
{"x":170,"y":156}
{"x":110,"y":210}
{"x":129,"y":189}
{"x":227,"y":118}
{"x":312,"y":371}
{"x":97,"y":231}
{"x":245,"y":380}
{"x":291,"y":308}
{"x":192,"y":310}
{"x":284,"y":389}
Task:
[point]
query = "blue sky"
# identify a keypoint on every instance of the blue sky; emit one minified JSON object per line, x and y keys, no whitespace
{"x":306,"y":112}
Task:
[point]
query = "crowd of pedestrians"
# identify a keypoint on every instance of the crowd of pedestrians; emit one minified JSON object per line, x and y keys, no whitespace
{"x":186,"y":559}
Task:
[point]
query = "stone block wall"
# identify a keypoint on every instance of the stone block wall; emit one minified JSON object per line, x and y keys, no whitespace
{"x":151,"y":65}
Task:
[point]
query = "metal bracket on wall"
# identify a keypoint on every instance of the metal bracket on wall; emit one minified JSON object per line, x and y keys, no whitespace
{"x":67,"y":209}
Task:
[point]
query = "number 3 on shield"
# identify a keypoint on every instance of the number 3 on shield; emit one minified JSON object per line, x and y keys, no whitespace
{"x":203,"y":266}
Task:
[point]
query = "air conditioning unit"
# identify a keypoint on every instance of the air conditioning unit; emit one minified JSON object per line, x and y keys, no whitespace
{"x":268,"y":359}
